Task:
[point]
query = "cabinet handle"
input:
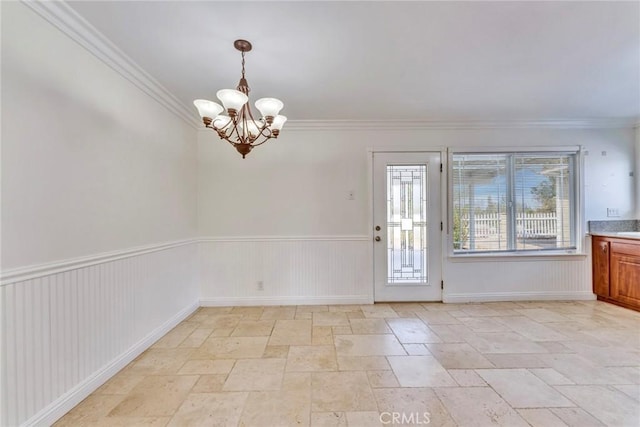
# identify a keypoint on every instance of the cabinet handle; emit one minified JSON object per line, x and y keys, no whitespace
{"x":604,"y":249}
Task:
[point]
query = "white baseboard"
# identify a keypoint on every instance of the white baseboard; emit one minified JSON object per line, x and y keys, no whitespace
{"x":518,"y":296}
{"x":56,"y":409}
{"x":286,"y":300}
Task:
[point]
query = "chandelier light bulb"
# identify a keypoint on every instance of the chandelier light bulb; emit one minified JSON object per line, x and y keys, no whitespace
{"x":278,"y":122}
{"x":269,"y":107}
{"x":233,"y":100}
{"x":207,"y":108}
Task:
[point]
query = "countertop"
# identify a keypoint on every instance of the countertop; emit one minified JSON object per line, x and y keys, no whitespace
{"x":632,"y":235}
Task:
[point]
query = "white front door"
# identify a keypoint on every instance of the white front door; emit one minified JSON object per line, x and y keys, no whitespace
{"x":407,"y":226}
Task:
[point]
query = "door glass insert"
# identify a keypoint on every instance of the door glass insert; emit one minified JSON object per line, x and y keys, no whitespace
{"x":407,"y":224}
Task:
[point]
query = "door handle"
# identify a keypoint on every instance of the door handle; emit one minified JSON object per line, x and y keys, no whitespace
{"x":377,"y":239}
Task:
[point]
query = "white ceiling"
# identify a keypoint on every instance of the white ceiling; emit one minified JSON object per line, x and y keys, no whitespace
{"x":392,"y":60}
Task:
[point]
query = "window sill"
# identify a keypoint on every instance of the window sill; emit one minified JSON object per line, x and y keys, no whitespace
{"x":518,"y":257}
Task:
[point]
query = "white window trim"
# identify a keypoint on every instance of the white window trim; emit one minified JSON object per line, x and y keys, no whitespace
{"x":578,"y":252}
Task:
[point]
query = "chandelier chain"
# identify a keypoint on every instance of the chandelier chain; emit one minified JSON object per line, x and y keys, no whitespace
{"x":243,"y":64}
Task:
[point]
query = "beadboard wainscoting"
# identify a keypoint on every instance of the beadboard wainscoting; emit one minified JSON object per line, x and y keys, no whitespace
{"x":518,"y":279}
{"x":291,"y":270}
{"x":68,"y":327}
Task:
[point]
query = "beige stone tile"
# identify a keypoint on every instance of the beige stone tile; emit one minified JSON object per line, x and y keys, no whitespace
{"x":378,"y":311}
{"x":418,"y":406}
{"x":207,"y":367}
{"x":305,"y":315}
{"x":363,"y":363}
{"x":341,"y":391}
{"x":531,"y":329}
{"x":458,"y":356}
{"x":346,"y":308}
{"x":542,"y":315}
{"x":369,"y":326}
{"x":484,"y":324}
{"x":541,"y":418}
{"x":362,"y":419}
{"x":221,"y":321}
{"x":155,"y":396}
{"x":478,"y":406}
{"x":576,"y":417}
{"x":253,"y":328}
{"x":276,"y":351}
{"x":291,"y":332}
{"x":516,"y":361}
{"x":467,"y":377}
{"x":503,"y":342}
{"x":231,"y":348}
{"x":311,"y":308}
{"x":446,"y":333}
{"x":406,"y":306}
{"x":253,"y":313}
{"x":276,"y":408}
{"x":608,"y":405}
{"x":341,"y":330}
{"x":210,"y":409}
{"x":278,"y":313}
{"x":159,"y":361}
{"x":415,"y":349}
{"x":631,"y":390}
{"x":209,"y":383}
{"x":208,"y":311}
{"x":382,"y":379}
{"x":196,"y":338}
{"x":72,"y":421}
{"x":297,"y":381}
{"x":420,"y":371}
{"x":582,"y":371}
{"x":355,"y":315}
{"x":222,"y":332}
{"x":521,"y":389}
{"x":555,"y":347}
{"x":171,"y":340}
{"x":412,"y":331}
{"x":311,"y":358}
{"x":120,"y":384}
{"x":255,"y":375}
{"x":90,"y":409}
{"x":328,"y":419}
{"x":551,"y":376}
{"x":321,"y":335}
{"x":437,"y":318}
{"x":330,"y":318}
{"x":367,"y":345}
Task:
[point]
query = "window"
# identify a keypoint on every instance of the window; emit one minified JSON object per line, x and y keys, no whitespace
{"x":514,"y":202}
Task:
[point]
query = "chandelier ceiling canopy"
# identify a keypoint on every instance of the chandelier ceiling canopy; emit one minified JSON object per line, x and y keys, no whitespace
{"x":233,"y":120}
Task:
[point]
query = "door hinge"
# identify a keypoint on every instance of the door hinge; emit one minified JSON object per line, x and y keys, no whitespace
{"x":440,"y":167}
{"x":442,"y":284}
{"x":441,"y":226}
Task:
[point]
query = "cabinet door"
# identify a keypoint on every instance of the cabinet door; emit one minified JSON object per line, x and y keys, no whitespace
{"x":600,"y":254}
{"x":625,"y":278}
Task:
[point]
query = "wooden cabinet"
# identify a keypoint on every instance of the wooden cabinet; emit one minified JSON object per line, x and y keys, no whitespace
{"x":600,"y":255}
{"x":616,"y":270}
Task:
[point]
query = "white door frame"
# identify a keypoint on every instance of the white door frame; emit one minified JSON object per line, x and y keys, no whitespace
{"x":444,"y":202}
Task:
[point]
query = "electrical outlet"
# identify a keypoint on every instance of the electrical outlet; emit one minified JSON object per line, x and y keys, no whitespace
{"x":613,"y":212}
{"x":260,"y":285}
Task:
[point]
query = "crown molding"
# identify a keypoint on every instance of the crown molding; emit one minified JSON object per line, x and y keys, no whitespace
{"x":67,"y":20}
{"x":587,"y":123}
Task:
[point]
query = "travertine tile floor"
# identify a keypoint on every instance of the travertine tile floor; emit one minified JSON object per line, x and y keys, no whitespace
{"x":512,"y":364}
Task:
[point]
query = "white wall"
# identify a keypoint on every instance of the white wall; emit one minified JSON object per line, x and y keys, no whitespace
{"x":297,"y":187}
{"x":90,"y":164}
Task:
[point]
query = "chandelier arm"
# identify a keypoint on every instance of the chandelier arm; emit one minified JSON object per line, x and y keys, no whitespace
{"x":262,"y":128}
{"x":265,"y":140}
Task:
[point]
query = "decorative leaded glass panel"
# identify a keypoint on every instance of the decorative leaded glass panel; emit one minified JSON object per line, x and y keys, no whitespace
{"x":407,"y":223}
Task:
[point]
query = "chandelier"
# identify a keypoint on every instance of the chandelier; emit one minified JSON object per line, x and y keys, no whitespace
{"x":237,"y":126}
